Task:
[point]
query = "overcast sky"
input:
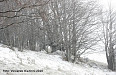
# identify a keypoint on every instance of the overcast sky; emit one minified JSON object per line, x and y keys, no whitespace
{"x":105,"y":3}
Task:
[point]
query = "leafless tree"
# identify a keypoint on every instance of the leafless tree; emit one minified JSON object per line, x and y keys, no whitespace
{"x":65,"y":25}
{"x":109,"y":31}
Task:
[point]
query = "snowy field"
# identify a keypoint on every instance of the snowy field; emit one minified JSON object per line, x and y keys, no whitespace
{"x":49,"y":64}
{"x":97,"y":56}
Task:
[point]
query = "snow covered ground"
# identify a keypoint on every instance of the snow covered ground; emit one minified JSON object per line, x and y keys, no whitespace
{"x":40,"y":61}
{"x":97,"y":56}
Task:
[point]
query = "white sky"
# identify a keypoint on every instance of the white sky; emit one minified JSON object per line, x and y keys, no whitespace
{"x":105,"y":3}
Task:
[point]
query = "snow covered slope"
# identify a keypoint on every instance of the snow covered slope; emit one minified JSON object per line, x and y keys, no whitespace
{"x":36,"y":61}
{"x":97,"y":56}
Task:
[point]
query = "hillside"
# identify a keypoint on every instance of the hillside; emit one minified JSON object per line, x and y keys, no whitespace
{"x":27,"y":62}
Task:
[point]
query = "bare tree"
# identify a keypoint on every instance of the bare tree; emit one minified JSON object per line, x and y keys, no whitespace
{"x":65,"y":25}
{"x":109,"y":32}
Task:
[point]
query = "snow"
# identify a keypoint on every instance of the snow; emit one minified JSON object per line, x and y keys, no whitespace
{"x":97,"y":56}
{"x":50,"y":64}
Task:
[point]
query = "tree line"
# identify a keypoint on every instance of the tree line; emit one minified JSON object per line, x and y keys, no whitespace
{"x":66,"y":25}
